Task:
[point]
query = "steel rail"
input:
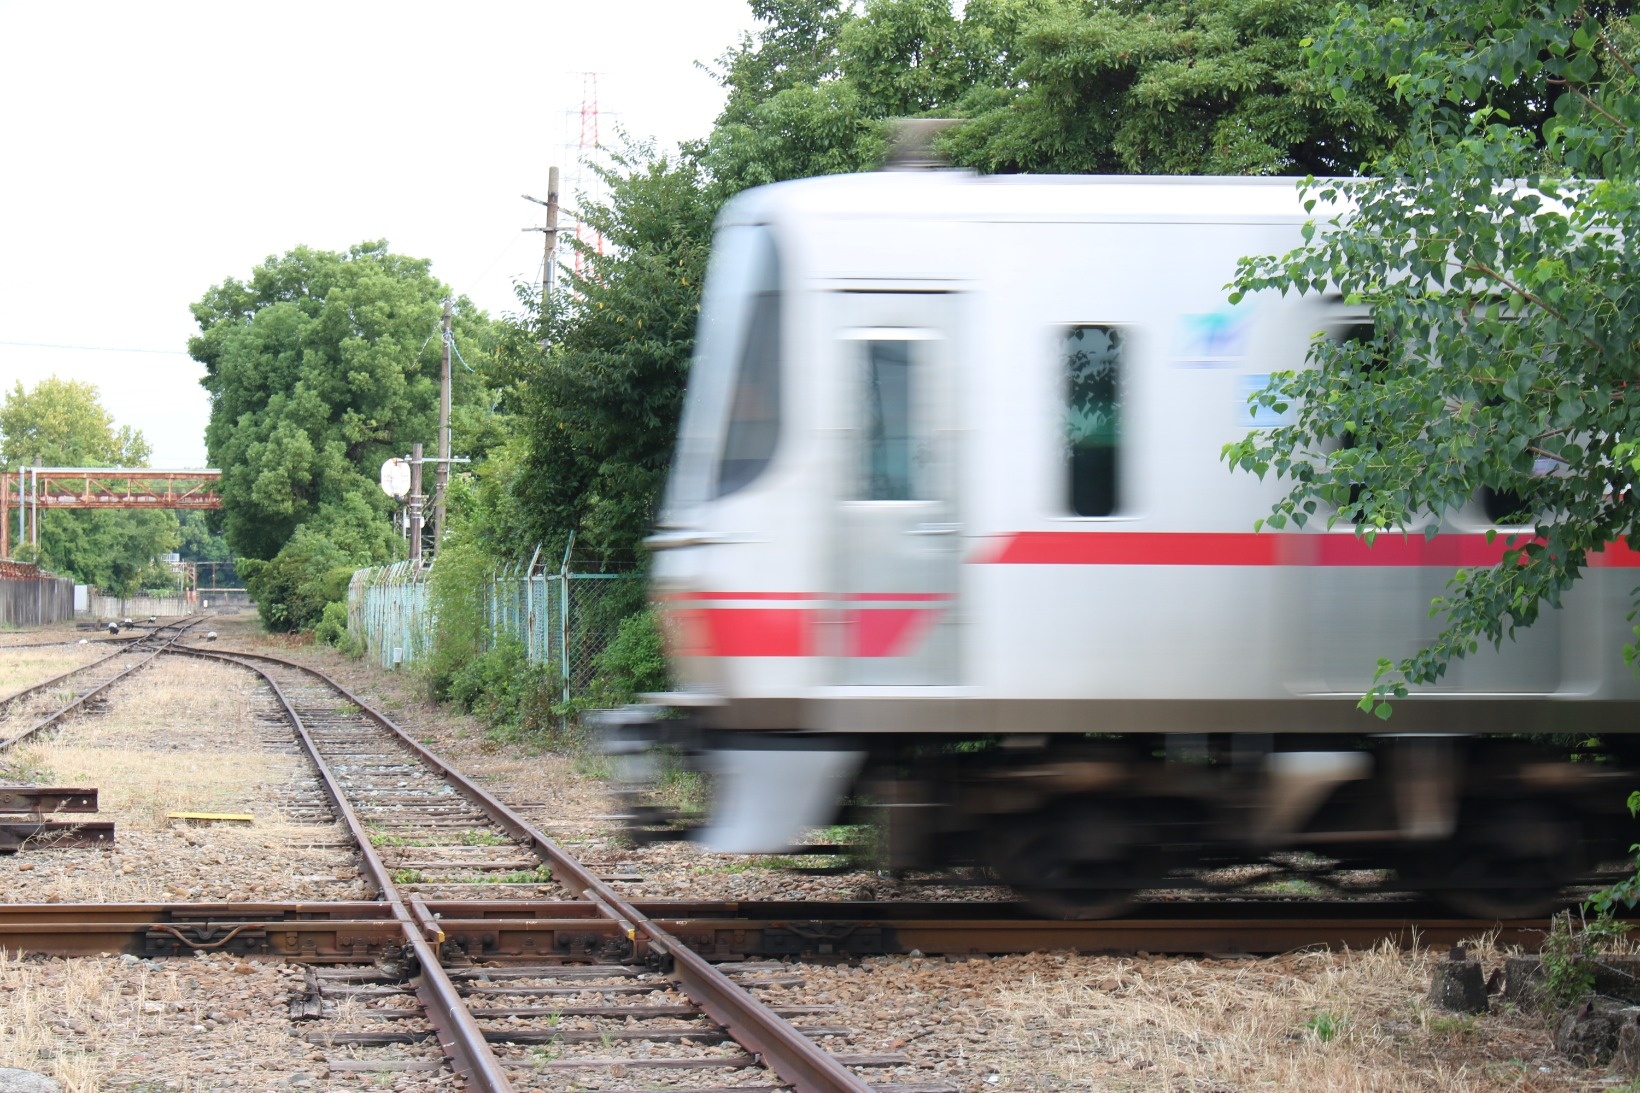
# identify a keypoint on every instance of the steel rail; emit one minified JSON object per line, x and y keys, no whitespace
{"x":514,"y":930}
{"x":123,"y":649}
{"x":786,"y":1051}
{"x":459,"y":1036}
{"x":93,"y":693}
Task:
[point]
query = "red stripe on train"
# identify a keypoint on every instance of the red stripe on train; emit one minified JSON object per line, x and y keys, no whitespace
{"x":790,"y":632}
{"x":1255,"y":549}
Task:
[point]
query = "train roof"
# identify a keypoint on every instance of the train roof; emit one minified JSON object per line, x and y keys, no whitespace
{"x":964,"y":195}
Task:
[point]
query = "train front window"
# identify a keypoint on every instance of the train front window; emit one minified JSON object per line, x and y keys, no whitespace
{"x":1093,"y":418}
{"x":731,"y":416}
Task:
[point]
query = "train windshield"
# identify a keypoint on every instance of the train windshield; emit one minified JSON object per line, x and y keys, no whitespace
{"x":731,"y":417}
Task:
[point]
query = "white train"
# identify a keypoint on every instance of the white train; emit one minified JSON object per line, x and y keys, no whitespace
{"x":948,"y":534}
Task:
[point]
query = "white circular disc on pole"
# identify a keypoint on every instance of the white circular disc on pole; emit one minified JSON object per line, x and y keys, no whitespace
{"x":396,"y":478}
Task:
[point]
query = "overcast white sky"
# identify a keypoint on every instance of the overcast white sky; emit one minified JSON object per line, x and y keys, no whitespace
{"x":147,"y":151}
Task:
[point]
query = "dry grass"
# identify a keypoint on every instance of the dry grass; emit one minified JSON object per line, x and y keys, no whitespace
{"x":111,"y":1023}
{"x":170,"y":740}
{"x":21,"y":668}
{"x":139,"y":787}
{"x":171,"y":700}
{"x":1319,"y":1021}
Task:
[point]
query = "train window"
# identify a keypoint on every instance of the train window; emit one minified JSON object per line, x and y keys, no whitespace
{"x":888,"y":455}
{"x":731,"y":416}
{"x":754,"y":402}
{"x":1093,"y":418}
{"x":1357,"y":334}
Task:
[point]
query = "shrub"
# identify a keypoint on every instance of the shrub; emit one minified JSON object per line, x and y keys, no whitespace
{"x":633,"y":663}
{"x":291,"y":590}
{"x":332,"y":628}
{"x":511,"y":695}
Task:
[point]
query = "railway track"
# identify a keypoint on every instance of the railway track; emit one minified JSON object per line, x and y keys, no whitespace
{"x":564,"y":979}
{"x":376,"y":778}
{"x":508,"y":932}
{"x":78,"y":688}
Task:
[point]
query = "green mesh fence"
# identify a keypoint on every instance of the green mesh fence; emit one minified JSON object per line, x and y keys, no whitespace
{"x":563,"y":620}
{"x":388,"y":613}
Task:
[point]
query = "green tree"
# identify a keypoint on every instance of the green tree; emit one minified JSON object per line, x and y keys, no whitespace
{"x":1494,"y":250}
{"x":1159,"y":87}
{"x":320,"y":366}
{"x":198,"y":543}
{"x":812,"y":92}
{"x":599,"y":405}
{"x":1063,"y":86}
{"x":61,"y":423}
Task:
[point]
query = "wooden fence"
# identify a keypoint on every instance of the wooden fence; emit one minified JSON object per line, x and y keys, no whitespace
{"x":31,"y":597}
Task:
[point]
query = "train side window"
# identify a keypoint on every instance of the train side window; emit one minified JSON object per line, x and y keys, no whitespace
{"x":754,"y":403}
{"x":1357,"y":334}
{"x":1093,"y":418}
{"x":888,"y":457}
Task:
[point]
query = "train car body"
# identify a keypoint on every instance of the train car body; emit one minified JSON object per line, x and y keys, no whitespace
{"x":949,"y":531}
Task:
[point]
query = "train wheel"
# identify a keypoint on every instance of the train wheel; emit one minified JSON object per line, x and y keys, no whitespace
{"x":1074,"y":861}
{"x":1510,"y":860}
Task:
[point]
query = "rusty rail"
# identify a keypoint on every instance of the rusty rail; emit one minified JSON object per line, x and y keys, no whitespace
{"x":796,"y":1060}
{"x":498,"y":931}
{"x":459,"y":1036}
{"x":79,"y":701}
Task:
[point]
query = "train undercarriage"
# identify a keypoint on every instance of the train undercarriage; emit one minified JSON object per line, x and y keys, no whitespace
{"x":1078,"y":825}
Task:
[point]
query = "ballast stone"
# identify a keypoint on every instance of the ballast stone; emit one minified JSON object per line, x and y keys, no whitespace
{"x":13,"y":1080}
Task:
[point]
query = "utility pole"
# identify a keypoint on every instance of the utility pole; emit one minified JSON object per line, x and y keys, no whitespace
{"x":416,"y":500}
{"x":441,"y":474}
{"x":550,"y":250}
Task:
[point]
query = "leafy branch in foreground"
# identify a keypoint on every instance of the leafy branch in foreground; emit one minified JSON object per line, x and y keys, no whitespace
{"x":1490,"y":253}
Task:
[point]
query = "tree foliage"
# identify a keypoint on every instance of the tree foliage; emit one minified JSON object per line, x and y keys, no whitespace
{"x":320,"y":366}
{"x":62,"y":423}
{"x":1059,"y":86}
{"x":598,"y":381}
{"x":1494,"y":252}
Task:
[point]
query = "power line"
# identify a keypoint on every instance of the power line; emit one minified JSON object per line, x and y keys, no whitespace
{"x":98,"y":348}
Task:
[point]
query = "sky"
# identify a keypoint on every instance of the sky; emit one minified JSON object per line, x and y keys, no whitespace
{"x":149,"y":151}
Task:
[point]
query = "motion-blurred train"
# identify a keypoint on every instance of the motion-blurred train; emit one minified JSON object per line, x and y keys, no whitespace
{"x":948,"y":538}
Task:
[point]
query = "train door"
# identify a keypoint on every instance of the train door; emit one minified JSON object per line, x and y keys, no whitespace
{"x":897,"y":530}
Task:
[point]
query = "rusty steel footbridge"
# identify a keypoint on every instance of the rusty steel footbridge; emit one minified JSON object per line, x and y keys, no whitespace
{"x":30,"y":489}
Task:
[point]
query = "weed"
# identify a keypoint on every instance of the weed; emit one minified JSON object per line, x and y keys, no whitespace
{"x":541,"y":874}
{"x":1454,"y":1025}
{"x":1325,"y":1027}
{"x":481,"y":838}
{"x":1570,"y":950}
{"x":407,"y":876}
{"x":589,"y":762}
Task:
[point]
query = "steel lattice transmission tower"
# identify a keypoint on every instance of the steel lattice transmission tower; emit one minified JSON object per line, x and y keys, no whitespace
{"x":587,"y":239}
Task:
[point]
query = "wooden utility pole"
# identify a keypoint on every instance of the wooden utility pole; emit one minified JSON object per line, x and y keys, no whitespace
{"x":551,"y":258}
{"x":416,"y":500}
{"x":441,"y":474}
{"x":549,"y":250}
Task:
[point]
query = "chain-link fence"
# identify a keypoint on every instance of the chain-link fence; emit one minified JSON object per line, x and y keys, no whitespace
{"x":562,"y":619}
{"x":387,"y":612}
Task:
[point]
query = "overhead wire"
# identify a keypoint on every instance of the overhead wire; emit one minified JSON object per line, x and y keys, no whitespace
{"x":98,"y":348}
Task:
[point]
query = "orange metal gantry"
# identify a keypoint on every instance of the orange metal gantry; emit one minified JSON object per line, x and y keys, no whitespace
{"x":30,"y":489}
